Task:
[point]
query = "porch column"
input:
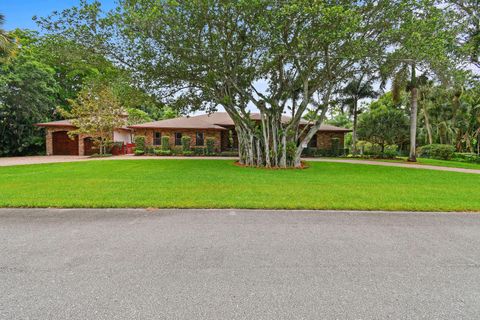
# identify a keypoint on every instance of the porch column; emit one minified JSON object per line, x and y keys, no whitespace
{"x":81,"y":148}
{"x":48,"y":141}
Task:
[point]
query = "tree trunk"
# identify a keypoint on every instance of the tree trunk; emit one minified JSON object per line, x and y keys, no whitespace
{"x":264,"y":143}
{"x":100,"y":149}
{"x":413,"y":126}
{"x":413,"y":117}
{"x":354,"y":132}
{"x":427,"y":124}
{"x":283,"y":159}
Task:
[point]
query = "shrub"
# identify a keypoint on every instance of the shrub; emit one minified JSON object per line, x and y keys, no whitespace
{"x":187,"y":153}
{"x":139,"y":152}
{"x":186,"y":143}
{"x":210,"y":146}
{"x":466,"y":157}
{"x":229,"y":153}
{"x":290,"y":150}
{"x":328,"y":153}
{"x":176,"y":150}
{"x":140,"y":142}
{"x":160,"y":152}
{"x":310,"y":152}
{"x":336,"y":146}
{"x":149,"y":150}
{"x":199,"y":151}
{"x":437,"y":151}
{"x":165,"y":143}
{"x":387,"y":154}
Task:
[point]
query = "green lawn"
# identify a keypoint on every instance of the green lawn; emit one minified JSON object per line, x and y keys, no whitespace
{"x":431,"y":162}
{"x":446,"y":163}
{"x":221,"y":184}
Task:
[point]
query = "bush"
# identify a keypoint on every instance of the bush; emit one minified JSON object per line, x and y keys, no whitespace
{"x":140,"y":142}
{"x":165,"y":143}
{"x":199,"y":151}
{"x":336,"y":146}
{"x":229,"y":153}
{"x":186,"y":143}
{"x":323,"y":153}
{"x":187,"y":153}
{"x":210,"y":146}
{"x":316,"y":153}
{"x":466,"y":157}
{"x":139,"y":152}
{"x":389,"y":152}
{"x":149,"y":150}
{"x":160,"y":152}
{"x":437,"y":151}
{"x":176,"y":151}
{"x":310,"y":152}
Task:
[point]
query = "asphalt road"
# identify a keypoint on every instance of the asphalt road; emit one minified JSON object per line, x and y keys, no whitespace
{"x":236,"y":264}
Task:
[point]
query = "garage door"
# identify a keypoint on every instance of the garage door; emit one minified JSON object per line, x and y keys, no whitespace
{"x":63,"y":145}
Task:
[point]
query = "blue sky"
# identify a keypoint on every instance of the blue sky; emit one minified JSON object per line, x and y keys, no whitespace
{"x":19,"y":13}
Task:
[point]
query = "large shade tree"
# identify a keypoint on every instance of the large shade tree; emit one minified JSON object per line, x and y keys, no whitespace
{"x":28,"y":93}
{"x":422,"y":41}
{"x":280,"y":57}
{"x":96,"y":112}
{"x":468,"y":16}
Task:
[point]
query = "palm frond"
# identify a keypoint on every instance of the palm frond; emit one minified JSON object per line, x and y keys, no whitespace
{"x":399,"y":83}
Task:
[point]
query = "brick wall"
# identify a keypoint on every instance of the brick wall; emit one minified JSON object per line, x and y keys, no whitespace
{"x":324,"y":139}
{"x":148,"y":133}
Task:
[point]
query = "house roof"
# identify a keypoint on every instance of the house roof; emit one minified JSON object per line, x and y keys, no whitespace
{"x":213,"y":121}
{"x":68,"y":123}
{"x":195,"y":122}
{"x":60,"y":123}
{"x":216,"y":121}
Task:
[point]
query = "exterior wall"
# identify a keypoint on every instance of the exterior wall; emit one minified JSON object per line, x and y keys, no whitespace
{"x":148,"y":133}
{"x":324,"y":139}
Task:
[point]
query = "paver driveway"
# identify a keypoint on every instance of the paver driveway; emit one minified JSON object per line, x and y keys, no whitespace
{"x":237,"y":264}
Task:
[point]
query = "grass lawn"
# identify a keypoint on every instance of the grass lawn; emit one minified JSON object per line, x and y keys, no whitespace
{"x":446,"y":163}
{"x":431,"y":162}
{"x":221,"y":184}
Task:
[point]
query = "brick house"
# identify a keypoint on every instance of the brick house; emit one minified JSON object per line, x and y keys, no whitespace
{"x":220,"y":127}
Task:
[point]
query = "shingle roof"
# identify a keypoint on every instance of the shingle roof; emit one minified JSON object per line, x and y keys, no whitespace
{"x":213,"y":121}
{"x":60,"y":123}
{"x":68,"y":123}
{"x":179,"y":123}
{"x":216,"y":121}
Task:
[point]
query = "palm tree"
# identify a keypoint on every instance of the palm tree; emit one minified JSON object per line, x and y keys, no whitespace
{"x":356,"y":90}
{"x":405,"y":78}
{"x":7,"y":42}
